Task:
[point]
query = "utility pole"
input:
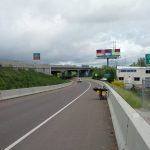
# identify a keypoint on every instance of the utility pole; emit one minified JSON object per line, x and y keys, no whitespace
{"x":108,"y":54}
{"x":114,"y":47}
{"x":114,"y":44}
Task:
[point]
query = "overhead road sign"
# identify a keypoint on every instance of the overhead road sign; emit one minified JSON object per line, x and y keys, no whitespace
{"x":36,"y":56}
{"x":147,"y":59}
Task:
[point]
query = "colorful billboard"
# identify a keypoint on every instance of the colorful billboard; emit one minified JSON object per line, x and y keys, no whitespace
{"x":108,"y":53}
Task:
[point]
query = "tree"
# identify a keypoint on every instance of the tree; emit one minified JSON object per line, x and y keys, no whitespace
{"x":97,"y":73}
{"x":109,"y":73}
{"x":140,"y":62}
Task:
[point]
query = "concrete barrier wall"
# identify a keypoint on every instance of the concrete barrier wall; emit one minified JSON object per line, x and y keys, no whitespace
{"x":7,"y":94}
{"x":132,"y":131}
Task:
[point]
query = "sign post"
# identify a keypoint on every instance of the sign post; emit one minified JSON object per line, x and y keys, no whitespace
{"x":147,"y":59}
{"x":107,"y":62}
{"x":36,"y":57}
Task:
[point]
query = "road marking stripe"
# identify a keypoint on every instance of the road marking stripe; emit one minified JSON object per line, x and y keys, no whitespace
{"x":44,"y":122}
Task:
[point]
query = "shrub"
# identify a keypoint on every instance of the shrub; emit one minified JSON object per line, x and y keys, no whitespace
{"x":109,"y":73}
{"x":118,"y":83}
{"x":97,"y":73}
{"x":12,"y":79}
{"x":129,"y":96}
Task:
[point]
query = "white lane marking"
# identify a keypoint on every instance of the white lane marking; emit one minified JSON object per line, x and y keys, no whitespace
{"x":44,"y":122}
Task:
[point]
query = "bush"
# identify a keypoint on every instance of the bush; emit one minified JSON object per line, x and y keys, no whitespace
{"x":105,"y":72}
{"x":12,"y":79}
{"x":130,"y":97}
{"x":109,"y":73}
{"x":97,"y":73}
{"x":118,"y":83}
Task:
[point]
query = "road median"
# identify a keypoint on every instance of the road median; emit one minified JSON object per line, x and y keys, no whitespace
{"x":9,"y":94}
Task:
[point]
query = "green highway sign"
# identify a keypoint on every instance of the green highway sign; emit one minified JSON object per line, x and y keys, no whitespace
{"x":36,"y":56}
{"x":147,"y":59}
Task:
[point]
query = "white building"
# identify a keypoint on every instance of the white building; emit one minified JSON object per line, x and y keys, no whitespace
{"x":133,"y":75}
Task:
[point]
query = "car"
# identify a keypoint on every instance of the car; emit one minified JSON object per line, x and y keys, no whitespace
{"x":79,"y":80}
{"x":104,"y":79}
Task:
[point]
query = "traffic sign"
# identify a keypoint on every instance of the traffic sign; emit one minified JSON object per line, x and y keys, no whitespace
{"x":36,"y":56}
{"x":147,"y":59}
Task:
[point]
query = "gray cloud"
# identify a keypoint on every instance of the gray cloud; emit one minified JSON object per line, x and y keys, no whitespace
{"x":70,"y":31}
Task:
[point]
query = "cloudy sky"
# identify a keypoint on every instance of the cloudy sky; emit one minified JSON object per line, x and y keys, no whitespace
{"x":70,"y":31}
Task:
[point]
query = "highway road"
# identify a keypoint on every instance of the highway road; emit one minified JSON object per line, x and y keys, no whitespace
{"x":71,"y":118}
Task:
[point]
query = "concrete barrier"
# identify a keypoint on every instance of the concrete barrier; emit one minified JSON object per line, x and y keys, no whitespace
{"x":7,"y":94}
{"x":132,"y":131}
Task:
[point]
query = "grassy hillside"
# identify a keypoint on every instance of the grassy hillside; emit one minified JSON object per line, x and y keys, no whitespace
{"x":12,"y":79}
{"x":133,"y":98}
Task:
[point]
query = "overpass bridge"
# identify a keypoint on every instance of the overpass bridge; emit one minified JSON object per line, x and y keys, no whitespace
{"x":83,"y":70}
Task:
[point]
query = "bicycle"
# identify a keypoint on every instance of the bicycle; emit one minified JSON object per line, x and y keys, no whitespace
{"x":101,"y":92}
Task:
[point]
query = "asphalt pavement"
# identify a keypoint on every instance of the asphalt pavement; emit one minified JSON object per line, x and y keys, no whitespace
{"x":84,"y":124}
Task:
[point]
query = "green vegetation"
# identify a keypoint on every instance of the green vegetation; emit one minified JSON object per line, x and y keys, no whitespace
{"x":106,"y":72}
{"x":109,"y":73}
{"x":97,"y":73}
{"x":67,"y":75}
{"x":132,"y":97}
{"x":118,"y":83}
{"x":140,"y":63}
{"x":12,"y":79}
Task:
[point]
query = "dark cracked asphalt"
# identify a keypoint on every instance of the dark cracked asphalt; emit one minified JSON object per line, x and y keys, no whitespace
{"x":84,"y":125}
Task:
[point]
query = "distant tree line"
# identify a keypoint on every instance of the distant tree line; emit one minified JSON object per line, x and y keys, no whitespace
{"x":105,"y":72}
{"x":140,"y":62}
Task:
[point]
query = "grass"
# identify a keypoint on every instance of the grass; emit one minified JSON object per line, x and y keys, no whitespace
{"x":132,"y":97}
{"x":13,"y":79}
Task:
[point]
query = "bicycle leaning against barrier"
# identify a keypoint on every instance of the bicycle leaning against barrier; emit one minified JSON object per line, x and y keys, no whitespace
{"x":102,"y":92}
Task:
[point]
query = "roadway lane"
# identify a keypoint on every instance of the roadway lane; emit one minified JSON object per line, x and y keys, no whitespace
{"x":84,"y":125}
{"x":18,"y":116}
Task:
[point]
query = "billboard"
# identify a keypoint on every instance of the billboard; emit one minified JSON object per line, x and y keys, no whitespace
{"x":36,"y":56}
{"x":108,"y":53}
